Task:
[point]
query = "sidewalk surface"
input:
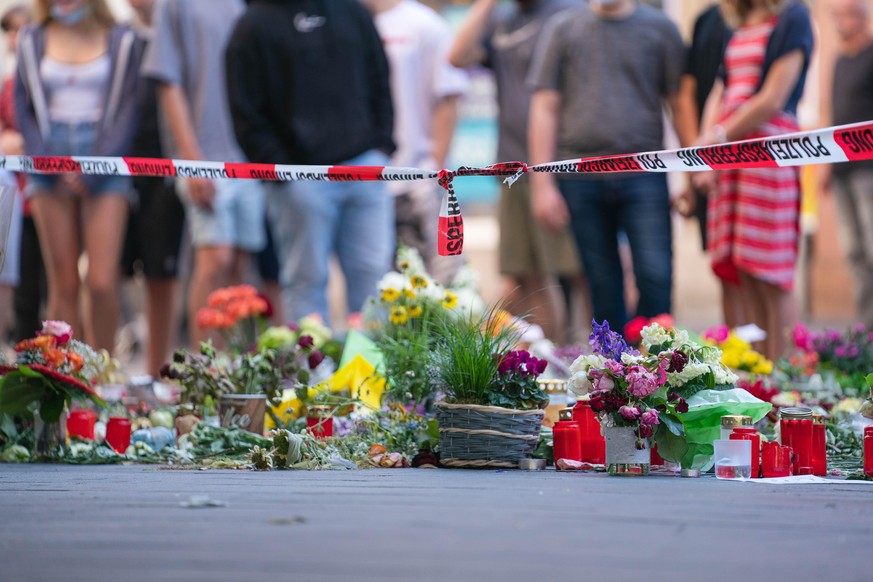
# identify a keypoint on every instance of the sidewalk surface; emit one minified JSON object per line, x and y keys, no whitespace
{"x":126,"y":523}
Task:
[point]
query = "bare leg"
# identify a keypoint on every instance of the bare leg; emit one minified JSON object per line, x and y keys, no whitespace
{"x":5,"y":310}
{"x":754,"y":306}
{"x":212,"y":265}
{"x":531,"y":297}
{"x":781,"y":312}
{"x":57,"y":222}
{"x":162,"y":320}
{"x":104,"y":218}
{"x":735,"y":313}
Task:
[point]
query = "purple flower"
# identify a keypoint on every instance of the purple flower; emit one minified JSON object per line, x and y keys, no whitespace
{"x":629,"y":413}
{"x":541,"y":366}
{"x":606,"y":342}
{"x":650,"y":417}
{"x":673,"y":397}
{"x":682,"y":406}
{"x":315,"y":358}
{"x":305,"y":342}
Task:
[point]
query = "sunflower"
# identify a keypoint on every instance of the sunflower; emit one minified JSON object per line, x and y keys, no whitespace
{"x":390,"y":295}
{"x":418,"y":281}
{"x":399,"y":315}
{"x":415,"y":311}
{"x":450,"y":301}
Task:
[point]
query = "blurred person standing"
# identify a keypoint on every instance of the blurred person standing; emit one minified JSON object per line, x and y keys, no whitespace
{"x":14,"y":271}
{"x":308,"y":84}
{"x":425,"y":91}
{"x":503,"y":38}
{"x":30,"y":294}
{"x":601,"y":77}
{"x":754,"y":214}
{"x":75,"y":95}
{"x":225,"y":217}
{"x":156,"y":222}
{"x":852,"y":183}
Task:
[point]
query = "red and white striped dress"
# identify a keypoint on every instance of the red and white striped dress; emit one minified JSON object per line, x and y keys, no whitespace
{"x":753,"y":218}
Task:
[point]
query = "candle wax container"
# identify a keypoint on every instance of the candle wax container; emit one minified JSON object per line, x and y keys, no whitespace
{"x":750,"y":434}
{"x":731,"y":421}
{"x":567,"y":437}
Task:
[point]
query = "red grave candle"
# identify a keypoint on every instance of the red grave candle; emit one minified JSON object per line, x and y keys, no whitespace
{"x":567,"y":437}
{"x":868,"y":451}
{"x":750,"y":434}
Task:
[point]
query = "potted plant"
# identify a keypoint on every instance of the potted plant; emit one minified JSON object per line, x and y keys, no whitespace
{"x":493,"y":410}
{"x":50,"y":371}
{"x":241,"y":385}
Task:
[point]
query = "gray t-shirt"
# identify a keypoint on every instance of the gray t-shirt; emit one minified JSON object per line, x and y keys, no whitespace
{"x":613,"y":76}
{"x":190,"y":38}
{"x":509,"y":45}
{"x":853,"y":97}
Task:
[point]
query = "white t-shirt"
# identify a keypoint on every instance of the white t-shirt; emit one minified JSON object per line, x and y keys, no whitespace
{"x":417,"y":41}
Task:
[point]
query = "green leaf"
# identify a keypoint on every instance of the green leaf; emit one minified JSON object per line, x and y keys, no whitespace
{"x":19,"y":389}
{"x":51,"y":406}
{"x":673,"y":423}
{"x":869,"y":379}
{"x":671,"y":447}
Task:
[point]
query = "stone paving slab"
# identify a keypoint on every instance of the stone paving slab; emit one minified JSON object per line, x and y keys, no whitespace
{"x":120,"y":523}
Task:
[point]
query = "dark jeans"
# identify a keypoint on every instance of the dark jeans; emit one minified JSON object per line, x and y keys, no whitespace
{"x":639,"y":206}
{"x":30,"y":295}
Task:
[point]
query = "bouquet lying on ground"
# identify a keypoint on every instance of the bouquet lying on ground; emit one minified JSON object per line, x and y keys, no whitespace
{"x":50,"y":371}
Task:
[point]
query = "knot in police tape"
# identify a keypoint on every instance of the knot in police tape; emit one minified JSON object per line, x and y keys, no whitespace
{"x":830,"y":145}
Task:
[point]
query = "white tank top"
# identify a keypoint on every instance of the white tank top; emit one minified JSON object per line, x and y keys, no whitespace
{"x":76,"y":91}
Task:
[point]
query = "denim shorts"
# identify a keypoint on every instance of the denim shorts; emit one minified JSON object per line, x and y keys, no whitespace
{"x":236,"y":218}
{"x":75,"y":139}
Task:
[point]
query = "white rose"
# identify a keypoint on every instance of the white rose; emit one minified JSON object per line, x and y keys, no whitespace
{"x":654,"y":335}
{"x":579,"y":384}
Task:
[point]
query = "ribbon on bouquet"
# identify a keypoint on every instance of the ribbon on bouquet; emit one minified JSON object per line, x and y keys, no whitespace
{"x":845,"y":143}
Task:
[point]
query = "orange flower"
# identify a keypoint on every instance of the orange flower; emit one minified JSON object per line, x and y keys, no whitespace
{"x":55,"y":358}
{"x":75,"y":361}
{"x":41,"y":342}
{"x":213,"y":319}
{"x":242,"y":291}
{"x":219,"y":298}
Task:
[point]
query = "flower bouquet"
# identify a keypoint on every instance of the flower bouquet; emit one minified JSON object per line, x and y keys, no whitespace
{"x":736,"y":353}
{"x":50,"y":371}
{"x":402,"y":322}
{"x":493,"y":410}
{"x":239,"y":313}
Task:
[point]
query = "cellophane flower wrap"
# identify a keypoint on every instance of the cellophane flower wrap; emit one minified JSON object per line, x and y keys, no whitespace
{"x":50,"y":371}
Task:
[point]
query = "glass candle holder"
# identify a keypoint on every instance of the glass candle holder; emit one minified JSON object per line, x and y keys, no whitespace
{"x":868,"y":451}
{"x":776,"y":460}
{"x":567,"y":437}
{"x":751,"y":435}
{"x":795,"y":427}
{"x":819,"y":446}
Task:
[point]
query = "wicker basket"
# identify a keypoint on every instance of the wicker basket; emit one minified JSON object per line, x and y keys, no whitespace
{"x":473,"y":436}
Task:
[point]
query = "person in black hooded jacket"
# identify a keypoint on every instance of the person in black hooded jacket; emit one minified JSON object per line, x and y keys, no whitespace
{"x":308,"y":84}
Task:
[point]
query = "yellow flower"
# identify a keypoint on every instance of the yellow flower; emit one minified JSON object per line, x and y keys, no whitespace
{"x":415,"y":311}
{"x":450,"y":301}
{"x":390,"y":295}
{"x":418,"y":282}
{"x":731,"y":359}
{"x":409,"y":293}
{"x":404,"y":265}
{"x":399,"y":315}
{"x":764,"y":367}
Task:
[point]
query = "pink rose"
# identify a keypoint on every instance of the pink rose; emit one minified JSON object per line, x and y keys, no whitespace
{"x":802,"y":337}
{"x":650,"y":417}
{"x":641,"y":382}
{"x":601,"y":380}
{"x":615,"y":368}
{"x":62,"y":330}
{"x":717,"y":334}
{"x":629,"y":413}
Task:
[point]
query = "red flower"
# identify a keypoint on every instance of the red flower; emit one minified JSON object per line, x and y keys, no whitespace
{"x":633,"y":330}
{"x":315,"y":358}
{"x":645,"y":431}
{"x":267,"y":310}
{"x":305,"y":342}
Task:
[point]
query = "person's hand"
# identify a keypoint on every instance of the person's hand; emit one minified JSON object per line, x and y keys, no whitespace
{"x":549,"y":207}
{"x":823,"y":180}
{"x":704,"y":182}
{"x":686,"y":202}
{"x":74,"y":184}
{"x":201,"y":191}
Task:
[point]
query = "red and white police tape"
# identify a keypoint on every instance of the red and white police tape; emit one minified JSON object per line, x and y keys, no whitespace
{"x":843,"y":143}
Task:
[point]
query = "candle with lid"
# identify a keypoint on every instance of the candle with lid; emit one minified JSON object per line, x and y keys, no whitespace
{"x":795,"y":427}
{"x":593,"y":443}
{"x":819,"y":446}
{"x":744,"y":433}
{"x":567,"y":437}
{"x":731,"y":421}
{"x":868,"y":451}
